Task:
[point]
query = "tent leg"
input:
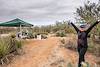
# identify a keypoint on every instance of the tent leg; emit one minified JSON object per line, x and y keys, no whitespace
{"x":20,"y":31}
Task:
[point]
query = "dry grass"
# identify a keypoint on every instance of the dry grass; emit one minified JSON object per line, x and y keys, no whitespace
{"x":8,"y":47}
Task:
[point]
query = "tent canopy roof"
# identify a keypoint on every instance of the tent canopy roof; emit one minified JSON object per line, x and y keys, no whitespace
{"x":16,"y":23}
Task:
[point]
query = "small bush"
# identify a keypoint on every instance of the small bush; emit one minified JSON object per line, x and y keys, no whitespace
{"x":12,"y":35}
{"x":60,"y":33}
{"x":8,"y":45}
{"x":30,"y":35}
{"x":4,"y":48}
{"x":34,"y":35}
{"x":18,"y":44}
{"x":94,"y":48}
{"x":69,"y":45}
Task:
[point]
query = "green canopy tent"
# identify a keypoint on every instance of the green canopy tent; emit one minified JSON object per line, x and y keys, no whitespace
{"x":16,"y":23}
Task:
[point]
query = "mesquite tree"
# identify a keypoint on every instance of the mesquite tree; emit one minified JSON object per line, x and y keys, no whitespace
{"x":90,"y":12}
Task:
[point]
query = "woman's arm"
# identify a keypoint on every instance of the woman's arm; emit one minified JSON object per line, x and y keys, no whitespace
{"x":75,"y":27}
{"x":91,"y":27}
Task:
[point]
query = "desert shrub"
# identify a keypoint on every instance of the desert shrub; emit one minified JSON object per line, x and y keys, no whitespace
{"x":94,"y":48}
{"x":60,"y":33}
{"x":97,"y":51}
{"x":12,"y":35}
{"x":4,"y":47}
{"x":8,"y":45}
{"x":30,"y":35}
{"x":34,"y":35}
{"x":69,"y":45}
{"x":18,"y":43}
{"x":45,"y":33}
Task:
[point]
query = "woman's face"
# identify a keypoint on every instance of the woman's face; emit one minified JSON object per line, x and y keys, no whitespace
{"x":83,"y":29}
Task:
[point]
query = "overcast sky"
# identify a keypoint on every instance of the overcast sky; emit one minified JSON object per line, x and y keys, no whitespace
{"x":39,"y":12}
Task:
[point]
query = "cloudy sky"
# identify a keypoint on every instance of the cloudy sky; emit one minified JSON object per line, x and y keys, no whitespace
{"x":39,"y":12}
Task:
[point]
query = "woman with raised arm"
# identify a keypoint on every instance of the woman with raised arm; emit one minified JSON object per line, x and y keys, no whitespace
{"x":82,"y":40}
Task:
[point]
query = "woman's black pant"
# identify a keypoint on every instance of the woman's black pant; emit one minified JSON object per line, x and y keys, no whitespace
{"x":81,"y":51}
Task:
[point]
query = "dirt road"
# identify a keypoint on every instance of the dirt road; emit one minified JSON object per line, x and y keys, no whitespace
{"x":47,"y":53}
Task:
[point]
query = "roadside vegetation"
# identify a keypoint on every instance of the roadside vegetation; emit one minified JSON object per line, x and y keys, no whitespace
{"x":9,"y":47}
{"x":60,"y":29}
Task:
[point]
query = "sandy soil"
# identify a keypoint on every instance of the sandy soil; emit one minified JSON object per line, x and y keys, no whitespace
{"x":47,"y":53}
